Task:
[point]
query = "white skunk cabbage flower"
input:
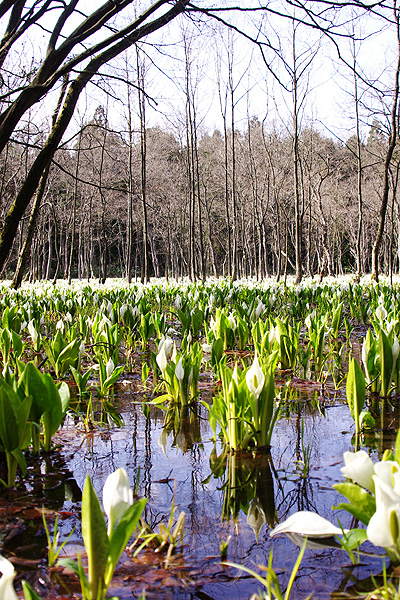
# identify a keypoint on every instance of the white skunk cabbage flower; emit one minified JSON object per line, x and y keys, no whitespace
{"x":161,"y":359}
{"x":272,"y":336}
{"x":388,"y":471}
{"x":232,"y":320}
{"x":307,"y":321}
{"x":117,"y":497}
{"x":364,"y":355}
{"x":358,"y":467}
{"x":255,"y":378}
{"x":32,"y":332}
{"x":381,"y":312}
{"x":167,"y":342}
{"x":260,"y":309}
{"x":383,"y":527}
{"x":179,"y":370}
{"x":307,"y":524}
{"x":110,"y":368}
{"x":395,"y":349}
{"x":7,"y":570}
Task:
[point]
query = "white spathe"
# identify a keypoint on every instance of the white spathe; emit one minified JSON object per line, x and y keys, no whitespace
{"x":383,"y":527}
{"x":388,"y":471}
{"x":255,"y":378}
{"x":7,"y":570}
{"x":179,"y":370}
{"x":381,"y":312}
{"x":161,"y":359}
{"x":307,"y":524}
{"x":110,"y":367}
{"x":358,"y":467}
{"x":117,"y":497}
{"x":395,"y":349}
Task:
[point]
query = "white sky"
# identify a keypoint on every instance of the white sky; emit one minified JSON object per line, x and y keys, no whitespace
{"x":330,"y":86}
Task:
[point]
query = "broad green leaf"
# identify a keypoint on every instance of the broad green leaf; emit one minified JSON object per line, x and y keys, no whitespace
{"x":54,"y":413}
{"x":22,"y":414}
{"x":121,"y":535}
{"x":63,"y":390}
{"x":362,"y":504}
{"x":50,"y":354}
{"x":17,"y":343}
{"x":397,"y":448}
{"x":385,"y":361}
{"x":29,"y":593}
{"x":354,"y":538}
{"x":336,"y":319}
{"x":69,"y":564}
{"x":94,"y":533}
{"x":113,"y":377}
{"x":68,"y":357}
{"x":8,"y":419}
{"x":58,"y":344}
{"x":355,"y":390}
{"x":34,"y":385}
{"x":20,"y":458}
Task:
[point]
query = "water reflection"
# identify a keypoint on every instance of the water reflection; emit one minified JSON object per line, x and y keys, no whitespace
{"x":183,"y":423}
{"x":248,"y":485}
{"x":221,"y":493}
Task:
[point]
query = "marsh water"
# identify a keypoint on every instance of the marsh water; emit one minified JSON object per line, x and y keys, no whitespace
{"x":170,"y":456}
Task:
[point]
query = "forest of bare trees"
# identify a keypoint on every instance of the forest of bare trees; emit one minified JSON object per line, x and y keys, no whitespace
{"x":258,"y":195}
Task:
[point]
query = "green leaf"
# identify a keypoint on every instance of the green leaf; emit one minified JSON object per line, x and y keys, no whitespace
{"x":354,"y":538}
{"x":362,"y":505}
{"x":69,"y":564}
{"x":50,"y":354}
{"x":113,"y":377}
{"x":367,"y":421}
{"x":17,"y":343}
{"x":397,"y":448}
{"x":355,"y":390}
{"x":386,"y":362}
{"x":54,"y":412}
{"x":20,"y":458}
{"x":9,"y":404}
{"x":68,"y":357}
{"x":121,"y":535}
{"x":94,"y":533}
{"x":32,"y":380}
{"x":63,"y":390}
{"x":58,"y":345}
{"x":29,"y":593}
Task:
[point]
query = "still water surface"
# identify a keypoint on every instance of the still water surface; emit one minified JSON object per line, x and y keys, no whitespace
{"x":306,"y":457}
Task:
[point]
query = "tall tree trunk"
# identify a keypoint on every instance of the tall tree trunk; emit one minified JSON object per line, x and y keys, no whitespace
{"x":296,"y":179}
{"x":392,"y":143}
{"x":26,"y":248}
{"x":143,"y":166}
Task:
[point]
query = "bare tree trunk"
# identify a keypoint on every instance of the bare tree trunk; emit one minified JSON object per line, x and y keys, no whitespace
{"x":129,"y":224}
{"x":26,"y":249}
{"x":392,"y":143}
{"x":75,"y":196}
{"x":296,"y":182}
{"x":143,"y":166}
{"x":359,"y":172}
